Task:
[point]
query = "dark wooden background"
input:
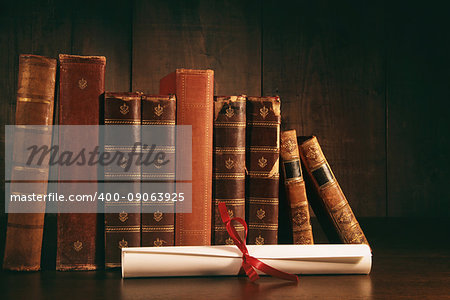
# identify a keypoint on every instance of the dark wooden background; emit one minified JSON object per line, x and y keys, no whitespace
{"x":369,"y":78}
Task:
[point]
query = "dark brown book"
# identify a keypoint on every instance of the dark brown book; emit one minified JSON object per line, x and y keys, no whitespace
{"x":229,"y":163}
{"x":194,"y":90}
{"x":158,"y":133}
{"x":263,"y":149}
{"x":81,"y":88}
{"x":295,"y":189}
{"x":35,"y":102}
{"x":328,"y":201}
{"x":122,"y":217}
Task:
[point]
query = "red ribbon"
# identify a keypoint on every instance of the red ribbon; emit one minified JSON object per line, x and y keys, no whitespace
{"x":250,"y":262}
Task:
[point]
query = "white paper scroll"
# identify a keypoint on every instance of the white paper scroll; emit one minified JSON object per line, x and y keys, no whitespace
{"x":227,"y":260}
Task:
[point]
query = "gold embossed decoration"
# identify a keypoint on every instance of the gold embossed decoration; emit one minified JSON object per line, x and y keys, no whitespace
{"x":158,"y":242}
{"x":344,"y":217}
{"x":262,"y":162}
{"x":264,"y":111}
{"x":159,"y":163}
{"x":299,"y":218}
{"x":77,"y":246}
{"x":123,"y":163}
{"x":229,"y":163}
{"x":157,"y":216}
{"x":229,"y":112}
{"x":230,"y":213}
{"x":123,"y":216}
{"x":312,"y":153}
{"x":159,"y":110}
{"x":259,"y":240}
{"x":260,"y":213}
{"x":124,"y":109}
{"x":82,"y":83}
{"x":289,"y":145}
{"x":229,"y":241}
{"x":123,"y":243}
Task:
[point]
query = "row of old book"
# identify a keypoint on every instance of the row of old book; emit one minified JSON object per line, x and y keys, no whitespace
{"x":237,"y":147}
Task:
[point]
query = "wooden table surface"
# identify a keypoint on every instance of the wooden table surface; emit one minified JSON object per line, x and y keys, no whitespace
{"x":407,"y":263}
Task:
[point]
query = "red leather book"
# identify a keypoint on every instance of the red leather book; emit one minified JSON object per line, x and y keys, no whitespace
{"x":158,"y":128}
{"x":295,"y":189}
{"x":194,"y":90}
{"x":35,"y":102}
{"x":122,"y":217}
{"x":229,"y":163}
{"x":263,"y":144}
{"x":328,"y":201}
{"x":81,"y":88}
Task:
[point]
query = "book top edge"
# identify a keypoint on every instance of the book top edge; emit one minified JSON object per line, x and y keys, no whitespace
{"x":195,"y":71}
{"x":81,"y":59}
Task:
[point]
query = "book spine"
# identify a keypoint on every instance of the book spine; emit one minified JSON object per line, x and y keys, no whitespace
{"x":122,"y":217}
{"x":81,"y":88}
{"x":229,"y":163}
{"x":158,"y":132}
{"x":333,"y":202}
{"x":35,"y":102}
{"x":295,"y":189}
{"x":263,"y":144}
{"x":194,"y":90}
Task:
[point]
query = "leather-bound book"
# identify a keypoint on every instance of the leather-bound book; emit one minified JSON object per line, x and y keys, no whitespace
{"x":295,"y":189}
{"x":328,"y":201}
{"x":263,"y":149}
{"x":229,"y":163}
{"x":35,"y":102}
{"x":158,"y":133}
{"x":123,"y":217}
{"x":194,"y":90}
{"x":81,"y":88}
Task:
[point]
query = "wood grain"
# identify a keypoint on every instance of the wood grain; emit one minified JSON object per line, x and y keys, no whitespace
{"x":220,"y":35}
{"x":326,"y":61}
{"x":104,"y":28}
{"x":418,"y":60}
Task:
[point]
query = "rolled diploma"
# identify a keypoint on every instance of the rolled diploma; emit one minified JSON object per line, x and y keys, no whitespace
{"x":227,"y":260}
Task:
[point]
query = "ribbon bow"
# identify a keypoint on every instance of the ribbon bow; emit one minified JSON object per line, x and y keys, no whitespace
{"x":249,"y":262}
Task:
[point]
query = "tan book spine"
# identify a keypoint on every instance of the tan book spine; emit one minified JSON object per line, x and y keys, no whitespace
{"x":295,"y":189}
{"x":35,"y":103}
{"x":194,"y":90}
{"x":333,"y":202}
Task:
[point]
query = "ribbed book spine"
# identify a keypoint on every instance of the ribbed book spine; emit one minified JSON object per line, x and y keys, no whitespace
{"x":330,"y":202}
{"x":122,"y":134}
{"x":263,"y":144}
{"x":194,"y":90}
{"x":229,"y":163}
{"x":81,"y":88}
{"x":158,"y":134}
{"x":295,"y":189}
{"x":35,"y":102}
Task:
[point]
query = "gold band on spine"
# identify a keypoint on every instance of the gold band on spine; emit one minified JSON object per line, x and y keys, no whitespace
{"x":27,"y":99}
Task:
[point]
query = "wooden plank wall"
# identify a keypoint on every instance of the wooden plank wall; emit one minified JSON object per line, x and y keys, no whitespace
{"x":369,"y":78}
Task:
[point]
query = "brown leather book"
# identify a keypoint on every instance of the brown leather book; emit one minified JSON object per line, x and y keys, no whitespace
{"x":229,"y":163}
{"x":329,"y":202}
{"x":295,"y":189}
{"x":35,"y":102}
{"x":122,"y":217}
{"x":263,"y":149}
{"x":194,"y":90}
{"x":158,"y":130}
{"x":81,"y":88}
